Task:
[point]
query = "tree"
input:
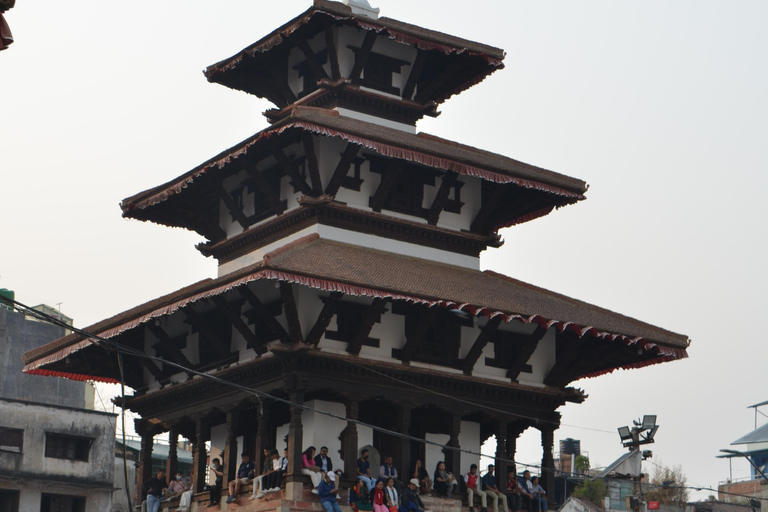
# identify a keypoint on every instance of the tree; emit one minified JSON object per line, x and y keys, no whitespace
{"x":593,"y":490}
{"x":581,"y":464}
{"x":667,"y":486}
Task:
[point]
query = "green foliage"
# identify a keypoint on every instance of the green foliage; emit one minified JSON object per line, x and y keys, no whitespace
{"x":581,"y":464}
{"x":592,"y":490}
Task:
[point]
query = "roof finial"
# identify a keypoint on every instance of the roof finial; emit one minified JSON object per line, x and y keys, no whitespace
{"x":362,"y":7}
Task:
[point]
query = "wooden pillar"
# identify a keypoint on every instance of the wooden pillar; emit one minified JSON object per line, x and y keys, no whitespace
{"x":348,"y":438}
{"x":230,"y":448}
{"x":453,"y":457}
{"x":147,"y":433}
{"x":501,"y":454}
{"x":262,"y":439}
{"x":294,"y":487}
{"x":199,"y":454}
{"x":172,"y":463}
{"x":547,"y":477}
{"x":404,"y":452}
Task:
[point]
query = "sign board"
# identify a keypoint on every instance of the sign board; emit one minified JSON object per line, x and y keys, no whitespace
{"x":653,"y":505}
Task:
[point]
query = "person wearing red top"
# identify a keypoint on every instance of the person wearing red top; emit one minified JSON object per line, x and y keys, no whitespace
{"x":514,"y":498}
{"x":472,"y":479}
{"x":377,"y":498}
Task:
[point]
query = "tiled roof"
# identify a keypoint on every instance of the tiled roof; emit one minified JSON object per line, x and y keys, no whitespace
{"x":426,"y":149}
{"x":336,"y":266}
{"x":399,"y":30}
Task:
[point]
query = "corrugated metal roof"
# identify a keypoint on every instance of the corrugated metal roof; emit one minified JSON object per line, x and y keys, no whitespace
{"x":759,"y":435}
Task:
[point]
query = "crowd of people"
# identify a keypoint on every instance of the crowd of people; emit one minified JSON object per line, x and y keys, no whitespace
{"x":384,"y":493}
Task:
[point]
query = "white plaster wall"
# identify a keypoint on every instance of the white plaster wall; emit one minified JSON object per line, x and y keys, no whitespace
{"x":218,"y":443}
{"x":469,"y":439}
{"x":374,"y":119}
{"x":119,"y":499}
{"x":434,"y":454}
{"x":541,"y":361}
{"x":321,"y":430}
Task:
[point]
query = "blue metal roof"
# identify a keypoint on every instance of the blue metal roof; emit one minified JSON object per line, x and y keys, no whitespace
{"x":759,"y":435}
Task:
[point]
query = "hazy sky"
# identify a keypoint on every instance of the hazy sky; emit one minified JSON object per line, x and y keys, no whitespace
{"x":660,"y":106}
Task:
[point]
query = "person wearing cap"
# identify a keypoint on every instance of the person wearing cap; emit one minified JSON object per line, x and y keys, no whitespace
{"x":327,"y":491}
{"x":411,"y":500}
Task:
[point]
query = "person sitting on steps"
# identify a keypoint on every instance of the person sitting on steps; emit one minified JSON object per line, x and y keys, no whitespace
{"x":474,"y":486}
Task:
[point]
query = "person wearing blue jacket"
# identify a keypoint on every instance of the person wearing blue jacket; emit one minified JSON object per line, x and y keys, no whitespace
{"x":327,"y":491}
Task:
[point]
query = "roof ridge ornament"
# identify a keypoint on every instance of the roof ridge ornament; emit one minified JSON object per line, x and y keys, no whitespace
{"x":362,"y":7}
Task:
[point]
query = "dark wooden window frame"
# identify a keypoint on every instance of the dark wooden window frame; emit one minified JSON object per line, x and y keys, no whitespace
{"x":11,"y":440}
{"x":352,"y":180}
{"x":65,"y":446}
{"x":262,"y":208}
{"x":348,"y":316}
{"x":506,"y":348}
{"x":62,"y":503}
{"x":409,"y":199}
{"x":453,"y":204}
{"x":442,"y":341}
{"x":309,"y":80}
{"x":378,"y":71}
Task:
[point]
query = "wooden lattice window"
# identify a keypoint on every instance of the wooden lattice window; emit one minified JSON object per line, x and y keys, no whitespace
{"x":349,"y":316}
{"x":62,"y":446}
{"x":378,"y":71}
{"x":11,"y":439}
{"x":62,"y":503}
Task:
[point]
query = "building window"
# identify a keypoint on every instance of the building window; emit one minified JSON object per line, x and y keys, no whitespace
{"x":406,"y":194}
{"x":378,"y":71}
{"x":453,"y":204}
{"x":507,"y":349}
{"x":442,"y":339}
{"x":61,"y":446}
{"x":9,"y":501}
{"x":309,"y":80}
{"x":262,"y":207}
{"x":349,"y":316}
{"x":62,"y":503}
{"x":11,"y":440}
{"x":353,"y":180}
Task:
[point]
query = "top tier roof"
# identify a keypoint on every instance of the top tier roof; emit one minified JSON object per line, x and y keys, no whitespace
{"x":457,"y":62}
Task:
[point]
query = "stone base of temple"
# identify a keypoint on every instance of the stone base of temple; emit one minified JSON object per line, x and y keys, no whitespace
{"x":309,"y":503}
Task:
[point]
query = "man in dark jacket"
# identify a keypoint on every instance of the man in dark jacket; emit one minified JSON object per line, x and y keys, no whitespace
{"x":153,"y":488}
{"x":323,"y":461}
{"x":411,"y":500}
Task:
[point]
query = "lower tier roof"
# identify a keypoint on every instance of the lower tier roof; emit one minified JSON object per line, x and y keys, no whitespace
{"x":358,"y":271}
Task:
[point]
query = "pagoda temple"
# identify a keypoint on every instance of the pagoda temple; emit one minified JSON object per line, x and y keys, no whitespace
{"x":349,"y":293}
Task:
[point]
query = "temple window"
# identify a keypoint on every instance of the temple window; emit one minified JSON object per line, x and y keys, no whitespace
{"x":453,"y":204}
{"x":406,"y":193}
{"x":506,"y":350}
{"x":349,"y":316}
{"x":262,"y":207}
{"x":353,"y":180}
{"x":378,"y":71}
{"x":309,"y":80}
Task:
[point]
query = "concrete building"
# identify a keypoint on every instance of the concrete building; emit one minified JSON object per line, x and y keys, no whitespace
{"x":753,"y":446}
{"x":56,"y":454}
{"x":55,"y":458}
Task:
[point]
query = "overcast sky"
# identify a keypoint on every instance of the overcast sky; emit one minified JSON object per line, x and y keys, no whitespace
{"x":660,"y":106}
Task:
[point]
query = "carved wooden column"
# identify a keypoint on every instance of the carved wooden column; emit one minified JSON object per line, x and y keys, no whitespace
{"x":294,"y":488}
{"x":147,"y":433}
{"x":513,"y":432}
{"x":262,"y":439}
{"x":173,"y":461}
{"x":453,"y":457}
{"x":199,"y":455}
{"x":547,"y":459}
{"x":404,"y":457}
{"x":230,"y":448}
{"x":501,"y":454}
{"x":348,"y":438}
